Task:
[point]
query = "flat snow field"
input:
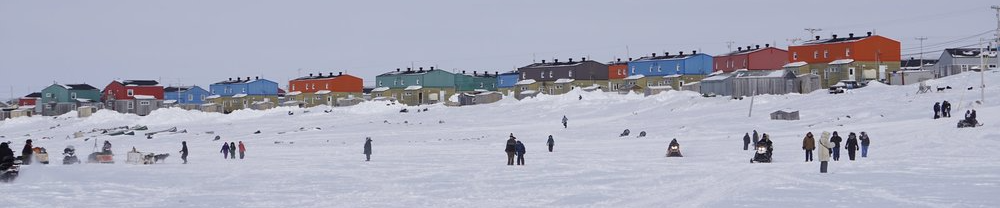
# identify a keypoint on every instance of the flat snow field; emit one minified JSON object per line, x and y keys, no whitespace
{"x":453,"y":156}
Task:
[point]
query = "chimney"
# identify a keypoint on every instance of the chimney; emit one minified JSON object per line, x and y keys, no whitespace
{"x":834,"y":36}
{"x":463,"y":71}
{"x":756,"y":46}
{"x":681,"y":53}
{"x":556,"y":60}
{"x":409,"y":69}
{"x":583,"y":58}
{"x":666,"y":53}
{"x":619,"y":60}
{"x":339,"y":73}
{"x":630,"y":59}
{"x":739,"y":48}
{"x":571,"y":60}
{"x":256,"y":77}
{"x":817,"y":37}
{"x":869,"y":34}
{"x":543,"y":61}
{"x":432,"y":68}
{"x":248,"y":78}
{"x":850,"y":35}
{"x":654,"y":54}
{"x":474,"y":73}
{"x":238,"y":79}
{"x":397,"y":69}
{"x":310,"y":74}
{"x":496,"y":73}
{"x":694,"y":52}
{"x":331,"y":73}
{"x":230,"y":79}
{"x":421,"y":68}
{"x":767,"y":45}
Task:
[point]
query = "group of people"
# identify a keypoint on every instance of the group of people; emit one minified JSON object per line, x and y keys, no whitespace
{"x":515,"y":148}
{"x":852,"y":145}
{"x":229,"y":150}
{"x":942,"y":110}
{"x":7,"y":154}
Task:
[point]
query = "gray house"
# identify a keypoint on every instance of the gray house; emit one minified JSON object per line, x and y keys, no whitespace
{"x":958,"y":60}
{"x":753,"y":82}
{"x":720,"y":84}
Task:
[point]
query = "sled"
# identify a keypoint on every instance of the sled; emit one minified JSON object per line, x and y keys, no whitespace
{"x":98,"y":157}
{"x":172,"y":129}
{"x":9,"y":171}
{"x":136,"y":158}
{"x":139,"y":128}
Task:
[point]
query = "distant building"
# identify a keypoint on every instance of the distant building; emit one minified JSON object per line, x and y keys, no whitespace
{"x":186,"y":97}
{"x":569,"y":74}
{"x":318,"y":89}
{"x":767,"y":58}
{"x":669,"y":70}
{"x":139,"y":97}
{"x":958,"y":60}
{"x":860,"y":58}
{"x":30,"y":99}
{"x":506,"y":81}
{"x":59,"y":99}
{"x":239,"y":93}
{"x":742,"y":83}
{"x":617,"y":72}
{"x":415,"y":87}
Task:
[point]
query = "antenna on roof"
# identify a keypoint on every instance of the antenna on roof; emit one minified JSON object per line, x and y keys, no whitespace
{"x":812,"y":31}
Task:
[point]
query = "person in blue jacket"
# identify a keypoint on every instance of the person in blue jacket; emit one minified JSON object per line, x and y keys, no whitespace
{"x":225,"y":150}
{"x":519,"y":149}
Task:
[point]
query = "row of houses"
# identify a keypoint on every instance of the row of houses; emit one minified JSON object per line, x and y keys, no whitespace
{"x":749,"y":70}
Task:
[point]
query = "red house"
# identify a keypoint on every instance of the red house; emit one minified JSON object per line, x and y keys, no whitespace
{"x":133,"y":96}
{"x":29,"y":100}
{"x":767,"y":58}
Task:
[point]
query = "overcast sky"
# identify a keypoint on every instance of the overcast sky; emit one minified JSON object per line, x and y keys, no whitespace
{"x":200,"y":42}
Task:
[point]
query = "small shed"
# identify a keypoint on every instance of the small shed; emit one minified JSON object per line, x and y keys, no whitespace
{"x":785,"y":115}
{"x":910,"y":76}
{"x":211,"y":107}
{"x":652,"y":90}
{"x":759,"y":82}
{"x":349,"y":101}
{"x":85,"y":111}
{"x":720,"y":84}
{"x":807,"y":82}
{"x":692,"y":86}
{"x":475,"y":98}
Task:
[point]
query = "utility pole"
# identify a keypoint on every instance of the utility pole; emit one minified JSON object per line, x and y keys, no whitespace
{"x":921,"y":39}
{"x":982,"y":72}
{"x":812,"y":31}
{"x":729,"y":44}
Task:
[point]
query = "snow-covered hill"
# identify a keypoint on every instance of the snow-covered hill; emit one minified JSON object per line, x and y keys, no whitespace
{"x":453,"y":156}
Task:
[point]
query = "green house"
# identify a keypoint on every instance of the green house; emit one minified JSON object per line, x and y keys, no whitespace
{"x":59,"y":99}
{"x":475,"y":82}
{"x":416,"y":87}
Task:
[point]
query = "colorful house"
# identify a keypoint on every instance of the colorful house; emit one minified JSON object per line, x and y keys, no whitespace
{"x":139,"y":97}
{"x":314,"y":90}
{"x":617,"y":72}
{"x":477,"y":81}
{"x":242,"y":93}
{"x":30,"y":99}
{"x":767,"y":58}
{"x":506,"y":81}
{"x":59,"y":99}
{"x":186,"y":97}
{"x":415,"y":87}
{"x":670,"y":70}
{"x":560,"y":77}
{"x":860,"y":58}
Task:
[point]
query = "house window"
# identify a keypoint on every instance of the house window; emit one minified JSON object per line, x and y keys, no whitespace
{"x":402,"y":82}
{"x":244,"y":102}
{"x":650,"y":68}
{"x":716,"y":65}
{"x":72,"y":95}
{"x":190,"y":97}
{"x":131,"y":105}
{"x":570,"y":73}
{"x":318,"y":97}
{"x":795,"y":56}
{"x":327,"y":86}
{"x":378,"y":94}
{"x":815,"y":54}
{"x":395,"y":82}
{"x":130,"y":92}
{"x":494,"y":85}
{"x":558,"y":86}
{"x":659,"y":69}
{"x":550,"y":74}
{"x":524,"y":88}
{"x":418,"y":82}
{"x":48,"y":95}
{"x":244,"y":90}
{"x":541,"y":74}
{"x":143,"y":102}
{"x":202,"y":97}
{"x":848,"y":52}
{"x":826,"y":54}
{"x":523,"y":76}
{"x":408,"y":94}
{"x":380,"y":83}
{"x":633,"y":70}
{"x":482,"y":85}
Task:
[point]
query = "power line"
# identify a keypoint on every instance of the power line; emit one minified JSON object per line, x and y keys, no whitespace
{"x":972,"y":37}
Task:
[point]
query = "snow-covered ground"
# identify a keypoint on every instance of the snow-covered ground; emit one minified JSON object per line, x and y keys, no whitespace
{"x":914,"y":161}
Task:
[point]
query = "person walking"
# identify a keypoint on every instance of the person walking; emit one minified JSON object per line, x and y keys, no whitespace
{"x":746,"y":141}
{"x":184,"y":151}
{"x":243,"y":150}
{"x":809,"y":144}
{"x":232,"y":150}
{"x":225,"y":150}
{"x":550,"y":143}
{"x":824,"y":151}
{"x":519,"y":148}
{"x":511,"y":144}
{"x":564,"y":120}
{"x":851,"y":145}
{"x":26,"y":153}
{"x":946,"y":109}
{"x":756,"y":137}
{"x":368,"y":149}
{"x":937,"y":110}
{"x":835,"y":139}
{"x":864,"y":144}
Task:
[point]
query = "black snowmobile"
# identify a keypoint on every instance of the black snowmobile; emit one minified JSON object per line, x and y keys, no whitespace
{"x":762,"y":155}
{"x":624,"y":134}
{"x":674,"y":150}
{"x":9,"y":169}
{"x":964,"y":123}
{"x":69,"y":156}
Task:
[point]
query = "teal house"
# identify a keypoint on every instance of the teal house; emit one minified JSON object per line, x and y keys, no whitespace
{"x":59,"y":99}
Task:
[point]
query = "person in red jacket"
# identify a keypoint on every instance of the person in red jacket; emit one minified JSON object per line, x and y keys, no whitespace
{"x":242,"y":149}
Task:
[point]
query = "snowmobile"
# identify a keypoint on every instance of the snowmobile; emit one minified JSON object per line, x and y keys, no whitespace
{"x":41,"y":155}
{"x":762,"y":155}
{"x":674,"y":150}
{"x":9,"y":169}
{"x":968,"y":123}
{"x":642,"y":134}
{"x":624,"y":134}
{"x":69,"y":156}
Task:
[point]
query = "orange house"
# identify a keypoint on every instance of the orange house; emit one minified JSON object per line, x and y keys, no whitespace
{"x":617,"y":71}
{"x":318,"y":89}
{"x":860,"y":58}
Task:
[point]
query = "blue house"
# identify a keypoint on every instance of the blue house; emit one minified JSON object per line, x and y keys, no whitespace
{"x":680,"y":64}
{"x":185,"y":95}
{"x":506,"y":81}
{"x":242,"y":93}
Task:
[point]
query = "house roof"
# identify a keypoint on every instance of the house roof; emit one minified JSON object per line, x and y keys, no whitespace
{"x":79,"y":87}
{"x":510,"y":73}
{"x":139,"y":82}
{"x":525,"y":82}
{"x":637,"y":76}
{"x":748,"y":50}
{"x":842,"y":61}
{"x":239,"y":80}
{"x":564,"y":81}
{"x":319,"y":76}
{"x":144,"y":97}
{"x":717,"y":77}
{"x":557,"y":64}
{"x":667,"y":57}
{"x":380,"y":89}
{"x":322,"y":92}
{"x":760,"y":73}
{"x":409,"y":72}
{"x":177,"y":89}
{"x":34,"y":95}
{"x":294,"y":93}
{"x":796,"y":64}
{"x":836,"y":40}
{"x":916,"y":62}
{"x":969,"y":52}
{"x":414,"y":87}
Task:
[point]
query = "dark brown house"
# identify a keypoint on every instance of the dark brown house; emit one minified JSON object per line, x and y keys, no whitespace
{"x":581,"y":70}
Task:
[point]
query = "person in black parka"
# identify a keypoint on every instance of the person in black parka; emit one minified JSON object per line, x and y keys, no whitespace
{"x":756,"y":137}
{"x":835,"y":139}
{"x":26,"y":153}
{"x":550,"y":143}
{"x":937,"y":110}
{"x":946,"y":109}
{"x":519,"y":149}
{"x":746,"y":141}
{"x":6,"y":155}
{"x":184,"y":151}
{"x":232,"y":150}
{"x":851,"y":145}
{"x":368,"y":149}
{"x":511,"y":144}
